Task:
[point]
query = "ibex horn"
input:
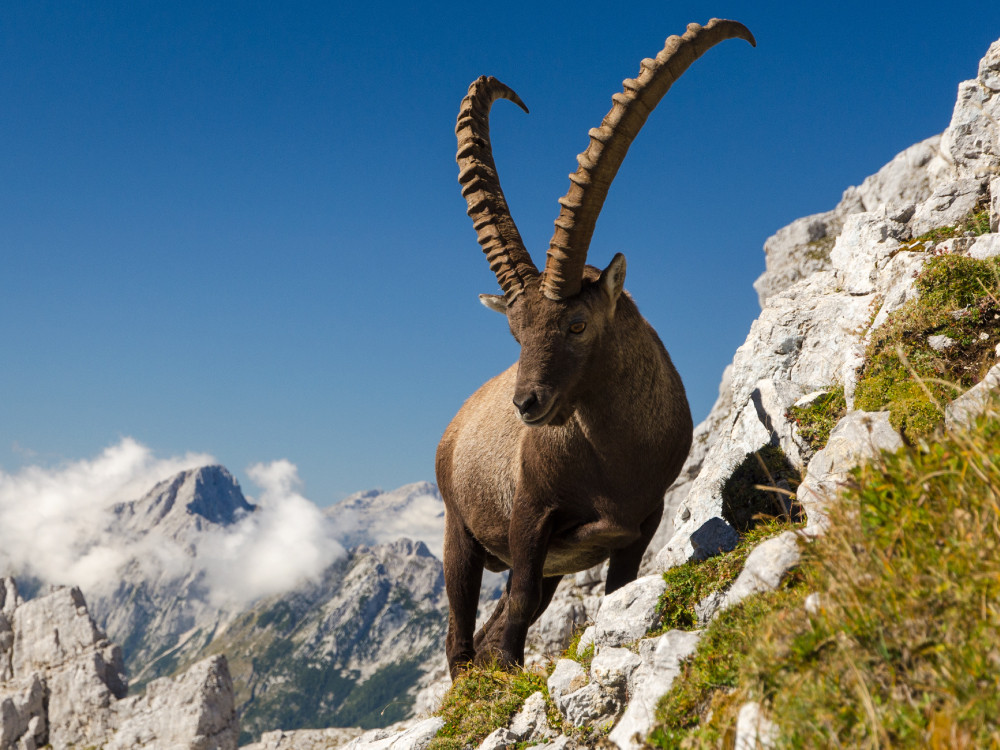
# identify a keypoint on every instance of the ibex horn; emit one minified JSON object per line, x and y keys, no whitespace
{"x":609,"y":143}
{"x":477,"y":175}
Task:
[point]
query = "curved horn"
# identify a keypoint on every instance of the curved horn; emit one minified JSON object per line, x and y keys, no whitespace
{"x":477,"y":175}
{"x":609,"y":143}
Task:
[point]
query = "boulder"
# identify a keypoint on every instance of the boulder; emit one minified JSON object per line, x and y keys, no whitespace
{"x":628,"y":613}
{"x":858,"y":437}
{"x":661,"y":660}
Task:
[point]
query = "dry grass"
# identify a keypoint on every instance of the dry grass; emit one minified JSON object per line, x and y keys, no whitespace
{"x":905,"y":649}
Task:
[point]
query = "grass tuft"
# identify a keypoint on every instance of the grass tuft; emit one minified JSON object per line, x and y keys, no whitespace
{"x":691,"y":582}
{"x":959,"y":297}
{"x":815,"y":421}
{"x":483,"y":699}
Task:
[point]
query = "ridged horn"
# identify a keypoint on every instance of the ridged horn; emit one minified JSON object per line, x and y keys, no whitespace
{"x":609,"y":143}
{"x":477,"y":175}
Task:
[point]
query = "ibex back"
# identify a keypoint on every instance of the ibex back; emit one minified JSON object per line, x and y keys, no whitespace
{"x":561,"y":461}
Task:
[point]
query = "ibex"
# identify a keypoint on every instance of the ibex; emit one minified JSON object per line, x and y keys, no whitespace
{"x":561,"y":461}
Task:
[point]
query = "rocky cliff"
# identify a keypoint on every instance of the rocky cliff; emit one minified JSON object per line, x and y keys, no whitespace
{"x":63,"y":685}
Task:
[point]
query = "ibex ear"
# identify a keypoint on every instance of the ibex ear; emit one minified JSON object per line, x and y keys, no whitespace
{"x":613,"y":279}
{"x":495,"y":302}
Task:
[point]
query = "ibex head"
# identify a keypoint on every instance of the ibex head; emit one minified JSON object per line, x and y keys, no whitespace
{"x":560,"y":316}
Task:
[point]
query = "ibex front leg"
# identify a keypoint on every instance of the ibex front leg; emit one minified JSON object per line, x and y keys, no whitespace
{"x":530,"y":529}
{"x":463,"y":576}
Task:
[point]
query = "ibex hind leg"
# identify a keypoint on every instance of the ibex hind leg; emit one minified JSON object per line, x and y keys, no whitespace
{"x":623,"y":567}
{"x":488,"y":637}
{"x":463,"y":577}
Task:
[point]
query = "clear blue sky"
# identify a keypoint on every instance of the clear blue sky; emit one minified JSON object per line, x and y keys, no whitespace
{"x":236,"y":228}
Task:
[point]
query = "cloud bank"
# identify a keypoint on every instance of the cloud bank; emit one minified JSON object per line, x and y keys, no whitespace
{"x":55,"y":526}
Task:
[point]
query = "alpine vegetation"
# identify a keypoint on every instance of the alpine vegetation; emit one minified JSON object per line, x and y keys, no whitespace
{"x":574,"y":471}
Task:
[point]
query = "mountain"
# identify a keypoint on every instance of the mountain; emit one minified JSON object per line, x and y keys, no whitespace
{"x":347,"y":650}
{"x":160,"y":607}
{"x":414,"y":511}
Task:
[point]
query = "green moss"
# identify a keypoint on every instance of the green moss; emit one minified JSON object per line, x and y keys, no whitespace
{"x":959,"y":297}
{"x":819,"y":250}
{"x":746,"y":494}
{"x":688,"y":584}
{"x":815,"y":421}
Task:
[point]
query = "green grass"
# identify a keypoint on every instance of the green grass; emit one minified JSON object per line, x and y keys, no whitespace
{"x":584,"y":657}
{"x":905,"y":648}
{"x":815,"y":421}
{"x":706,"y":686}
{"x":688,"y":584}
{"x":959,"y":297}
{"x":483,"y":699}
{"x":977,"y":222}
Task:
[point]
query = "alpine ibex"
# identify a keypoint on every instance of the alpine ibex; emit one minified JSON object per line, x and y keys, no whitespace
{"x":575,"y":470}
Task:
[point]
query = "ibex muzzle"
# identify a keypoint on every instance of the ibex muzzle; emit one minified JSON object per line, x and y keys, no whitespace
{"x":561,"y":461}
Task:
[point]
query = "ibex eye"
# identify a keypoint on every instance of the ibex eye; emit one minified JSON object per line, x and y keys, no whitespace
{"x":577,"y":327}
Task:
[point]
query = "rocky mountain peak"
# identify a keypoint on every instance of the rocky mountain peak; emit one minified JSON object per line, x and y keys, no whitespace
{"x":189,"y":498}
{"x":216,"y":495}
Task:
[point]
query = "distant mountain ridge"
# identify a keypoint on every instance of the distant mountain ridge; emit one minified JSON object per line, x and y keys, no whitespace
{"x":351,"y":645}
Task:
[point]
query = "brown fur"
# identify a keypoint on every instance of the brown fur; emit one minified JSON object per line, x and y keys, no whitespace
{"x":561,"y":461}
{"x":561,"y":497}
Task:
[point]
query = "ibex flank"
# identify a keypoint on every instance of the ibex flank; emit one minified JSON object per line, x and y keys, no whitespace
{"x":561,"y":461}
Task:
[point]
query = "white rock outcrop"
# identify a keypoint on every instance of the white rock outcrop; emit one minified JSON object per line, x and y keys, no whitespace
{"x":62,"y":684}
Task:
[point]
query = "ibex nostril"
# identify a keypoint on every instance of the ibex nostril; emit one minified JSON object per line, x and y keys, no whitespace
{"x":527,"y":403}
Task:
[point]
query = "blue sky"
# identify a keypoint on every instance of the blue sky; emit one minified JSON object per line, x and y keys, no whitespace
{"x":235,"y":228}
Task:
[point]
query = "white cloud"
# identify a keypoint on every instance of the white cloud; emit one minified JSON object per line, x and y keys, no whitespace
{"x":54,"y":524}
{"x":285,"y":541}
{"x":51,"y":519}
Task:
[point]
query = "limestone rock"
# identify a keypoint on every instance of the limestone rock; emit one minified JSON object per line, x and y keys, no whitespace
{"x":54,"y":648}
{"x":948,"y":205}
{"x":806,"y":338}
{"x":499,"y":739}
{"x":613,"y":668}
{"x":971,"y":143}
{"x":857,"y":437}
{"x":416,"y":735}
{"x":305,"y":739}
{"x":962,"y":412}
{"x":66,"y":685}
{"x":661,"y":658}
{"x":590,"y":706}
{"x":940,"y":343}
{"x":864,"y":248}
{"x":531,"y":724}
{"x":628,"y":613}
{"x":567,"y":677}
{"x":562,"y":742}
{"x":985,"y":245}
{"x":194,"y":711}
{"x":754,"y":731}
